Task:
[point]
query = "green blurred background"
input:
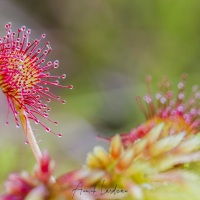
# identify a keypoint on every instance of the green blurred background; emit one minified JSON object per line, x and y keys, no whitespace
{"x":106,"y":48}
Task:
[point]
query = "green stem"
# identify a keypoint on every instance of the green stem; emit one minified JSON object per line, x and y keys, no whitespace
{"x":29,"y":134}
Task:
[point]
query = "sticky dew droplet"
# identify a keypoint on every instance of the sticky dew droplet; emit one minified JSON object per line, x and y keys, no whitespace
{"x":43,"y":35}
{"x":63,"y":76}
{"x":70,"y":87}
{"x":56,"y":82}
{"x":48,"y":129}
{"x":36,"y":121}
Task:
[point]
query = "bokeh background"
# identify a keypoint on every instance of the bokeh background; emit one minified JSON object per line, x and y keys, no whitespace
{"x":106,"y":48}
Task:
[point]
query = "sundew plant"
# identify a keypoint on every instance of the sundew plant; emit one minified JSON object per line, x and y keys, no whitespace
{"x":24,"y":79}
{"x":158,"y":160}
